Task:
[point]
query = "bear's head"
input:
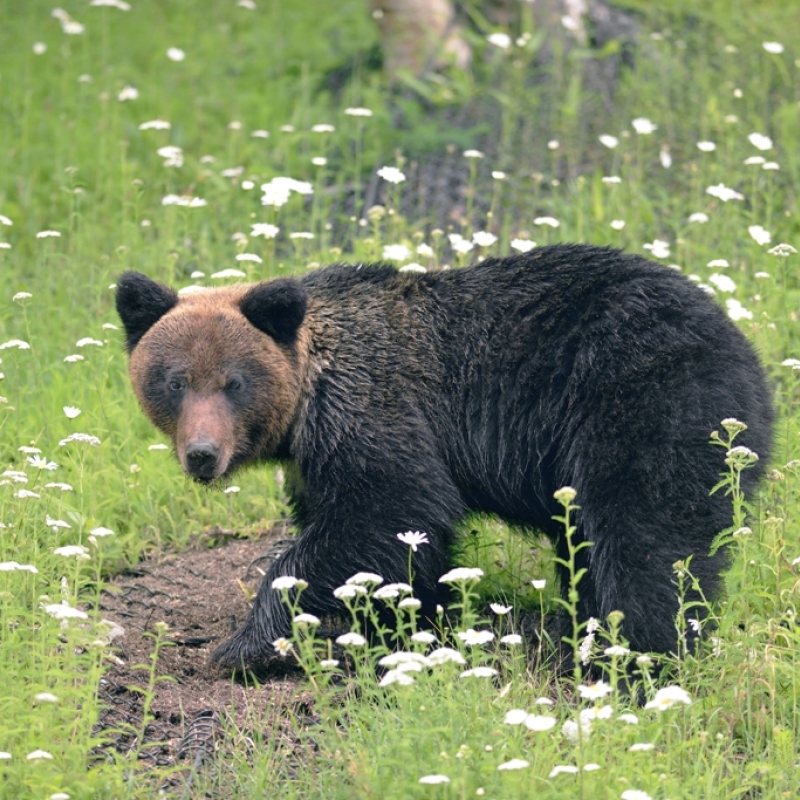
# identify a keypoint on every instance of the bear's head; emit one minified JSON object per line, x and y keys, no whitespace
{"x":219,"y":371}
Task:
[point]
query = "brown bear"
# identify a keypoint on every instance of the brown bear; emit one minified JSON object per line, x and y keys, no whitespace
{"x":405,"y":401}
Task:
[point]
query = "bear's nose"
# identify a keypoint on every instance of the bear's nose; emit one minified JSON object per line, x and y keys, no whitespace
{"x":201,"y":460}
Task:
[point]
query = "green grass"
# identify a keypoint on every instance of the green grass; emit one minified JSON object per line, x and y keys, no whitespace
{"x":74,"y":160}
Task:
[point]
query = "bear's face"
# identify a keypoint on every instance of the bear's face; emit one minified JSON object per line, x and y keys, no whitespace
{"x":218,"y":371}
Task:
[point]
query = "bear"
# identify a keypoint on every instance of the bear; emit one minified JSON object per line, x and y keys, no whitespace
{"x":403,"y":401}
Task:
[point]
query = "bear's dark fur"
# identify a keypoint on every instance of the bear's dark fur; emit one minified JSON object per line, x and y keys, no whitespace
{"x":406,"y":401}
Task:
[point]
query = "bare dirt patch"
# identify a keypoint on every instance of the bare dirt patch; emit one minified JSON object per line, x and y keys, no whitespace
{"x":201,"y":594}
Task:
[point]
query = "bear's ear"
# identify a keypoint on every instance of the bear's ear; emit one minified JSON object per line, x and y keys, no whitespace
{"x":141,"y":303}
{"x":276,"y":307}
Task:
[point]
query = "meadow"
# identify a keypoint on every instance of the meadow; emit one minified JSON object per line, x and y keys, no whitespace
{"x":159,"y":136}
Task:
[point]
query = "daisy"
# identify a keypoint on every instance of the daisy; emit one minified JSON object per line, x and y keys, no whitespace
{"x":462,"y":574}
{"x":155,"y":125}
{"x":515,"y":763}
{"x":760,"y":141}
{"x":80,"y":437}
{"x":501,"y":40}
{"x":286,"y":582}
{"x":434,"y":780}
{"x":668,"y":697}
{"x":72,"y":550}
{"x":445,"y":655}
{"x":304,"y":620}
{"x":644,"y":126}
{"x":360,"y":578}
{"x":351,"y":639}
{"x":523,"y":245}
{"x":479,"y":672}
{"x":473,"y":637}
{"x":282,"y":646}
{"x":759,"y":234}
{"x":396,"y":252}
{"x":264,"y":229}
{"x":228,"y":273}
{"x":723,"y":193}
{"x":539,"y":723}
{"x":39,"y":755}
{"x":391,"y":591}
{"x":175,"y":54}
{"x":348,"y":592}
{"x":391,"y":174}
{"x":563,"y":769}
{"x":484,"y":238}
{"x":595,"y":691}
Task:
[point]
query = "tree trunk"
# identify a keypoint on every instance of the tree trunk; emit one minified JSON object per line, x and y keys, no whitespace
{"x":419,"y":35}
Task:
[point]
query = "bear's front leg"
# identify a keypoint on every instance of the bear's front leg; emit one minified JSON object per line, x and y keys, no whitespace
{"x":339,"y":539}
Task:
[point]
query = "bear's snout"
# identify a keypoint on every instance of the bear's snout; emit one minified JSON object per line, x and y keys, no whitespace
{"x":201,"y":461}
{"x":205,"y":436}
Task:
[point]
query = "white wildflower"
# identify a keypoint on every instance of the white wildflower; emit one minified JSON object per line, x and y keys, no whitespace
{"x":396,"y":252}
{"x":501,"y":40}
{"x":462,"y":574}
{"x":760,"y":141}
{"x":391,"y":174}
{"x":759,"y":234}
{"x":668,"y":697}
{"x":360,"y":578}
{"x":515,"y":763}
{"x":644,"y":126}
{"x":351,"y":639}
{"x":522,"y":245}
{"x":723,"y":193}
{"x":484,"y":238}
{"x":473,"y":637}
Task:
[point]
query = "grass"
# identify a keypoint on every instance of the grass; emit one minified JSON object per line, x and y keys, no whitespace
{"x":74,"y":160}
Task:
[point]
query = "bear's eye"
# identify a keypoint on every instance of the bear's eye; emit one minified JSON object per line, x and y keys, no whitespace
{"x":175,"y":385}
{"x":233,"y":385}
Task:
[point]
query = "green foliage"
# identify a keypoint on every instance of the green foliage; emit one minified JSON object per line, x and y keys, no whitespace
{"x":74,"y":160}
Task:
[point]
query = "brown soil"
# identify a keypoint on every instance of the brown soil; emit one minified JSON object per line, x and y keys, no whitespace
{"x":201,"y":594}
